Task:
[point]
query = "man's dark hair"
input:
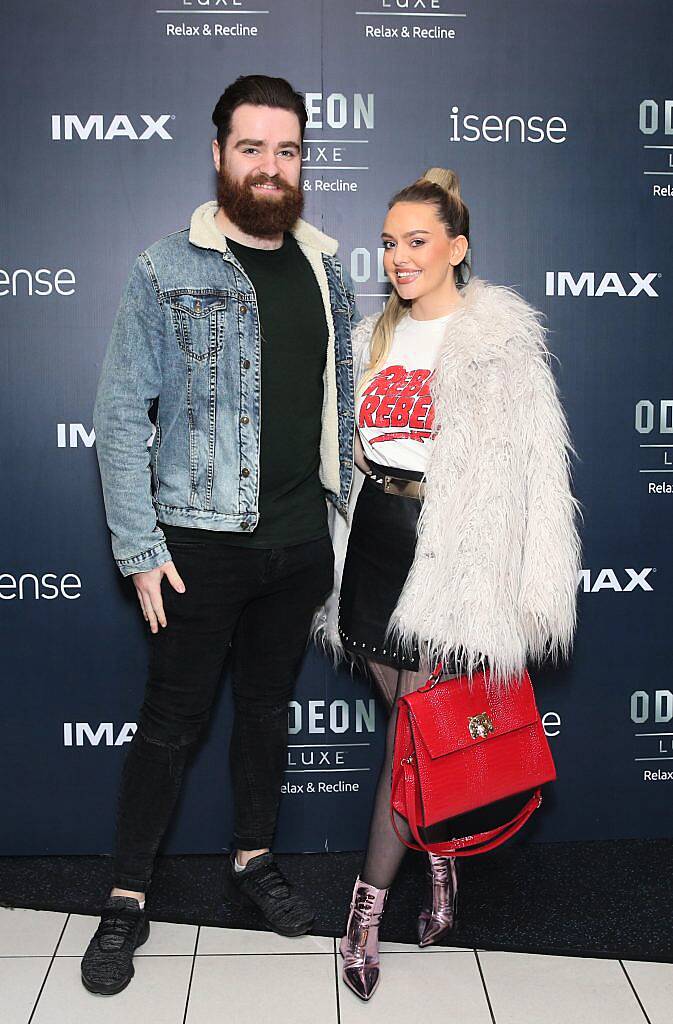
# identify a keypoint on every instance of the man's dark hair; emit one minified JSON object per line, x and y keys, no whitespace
{"x":260,"y":91}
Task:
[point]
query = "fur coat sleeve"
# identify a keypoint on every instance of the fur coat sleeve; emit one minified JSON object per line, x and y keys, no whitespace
{"x":551,"y":560}
{"x":497,"y":558}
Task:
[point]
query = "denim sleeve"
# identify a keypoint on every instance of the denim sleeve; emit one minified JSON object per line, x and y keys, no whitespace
{"x":130,"y":380}
{"x":356,"y":316}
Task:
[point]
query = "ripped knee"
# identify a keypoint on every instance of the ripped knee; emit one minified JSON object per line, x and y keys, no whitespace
{"x":156,"y":742}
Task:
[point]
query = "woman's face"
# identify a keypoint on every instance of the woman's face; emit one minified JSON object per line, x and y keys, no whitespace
{"x":419,"y":257}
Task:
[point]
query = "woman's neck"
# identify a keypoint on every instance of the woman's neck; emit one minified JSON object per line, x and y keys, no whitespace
{"x":438,"y":303}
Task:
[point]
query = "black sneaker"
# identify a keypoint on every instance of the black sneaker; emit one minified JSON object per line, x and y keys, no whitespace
{"x":107,"y":965}
{"x":263,"y":886}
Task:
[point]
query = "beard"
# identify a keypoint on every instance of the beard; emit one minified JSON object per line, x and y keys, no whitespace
{"x":254,"y":213}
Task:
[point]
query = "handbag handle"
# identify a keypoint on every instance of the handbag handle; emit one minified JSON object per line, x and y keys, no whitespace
{"x":436,"y":677}
{"x":468,"y":846}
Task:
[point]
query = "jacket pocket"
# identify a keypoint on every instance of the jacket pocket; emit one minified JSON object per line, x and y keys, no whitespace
{"x":198,"y":319}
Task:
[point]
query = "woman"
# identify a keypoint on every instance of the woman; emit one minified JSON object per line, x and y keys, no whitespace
{"x":463,"y":543}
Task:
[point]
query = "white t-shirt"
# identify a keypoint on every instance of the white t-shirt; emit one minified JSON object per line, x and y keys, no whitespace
{"x":395,"y":412}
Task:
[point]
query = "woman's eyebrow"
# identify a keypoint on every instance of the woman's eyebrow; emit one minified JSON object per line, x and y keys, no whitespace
{"x":416,"y":231}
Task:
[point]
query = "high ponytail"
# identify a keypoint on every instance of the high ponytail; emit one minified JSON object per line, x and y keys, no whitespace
{"x":446,"y":179}
{"x":441,"y":187}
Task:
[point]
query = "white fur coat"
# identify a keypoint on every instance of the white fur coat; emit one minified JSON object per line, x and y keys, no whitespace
{"x":498,"y":555}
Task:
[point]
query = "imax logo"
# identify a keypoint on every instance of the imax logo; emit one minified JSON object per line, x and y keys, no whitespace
{"x":79,"y":734}
{"x":607,"y":579}
{"x":559,"y":282}
{"x":66,"y":127}
{"x":72,"y":435}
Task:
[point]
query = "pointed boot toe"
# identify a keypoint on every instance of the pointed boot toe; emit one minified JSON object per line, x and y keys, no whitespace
{"x":362,"y":980}
{"x":438,"y":915}
{"x":360,"y":947}
{"x":431,"y":930}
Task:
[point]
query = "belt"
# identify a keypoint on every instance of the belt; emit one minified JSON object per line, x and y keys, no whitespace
{"x":399,"y":485}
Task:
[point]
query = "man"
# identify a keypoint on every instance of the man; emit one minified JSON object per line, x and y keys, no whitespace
{"x":236,"y":333}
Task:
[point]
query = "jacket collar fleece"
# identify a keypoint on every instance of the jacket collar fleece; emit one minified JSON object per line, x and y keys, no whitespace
{"x":204,"y":232}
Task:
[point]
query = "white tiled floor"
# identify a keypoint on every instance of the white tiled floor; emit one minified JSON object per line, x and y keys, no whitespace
{"x":190,"y":975}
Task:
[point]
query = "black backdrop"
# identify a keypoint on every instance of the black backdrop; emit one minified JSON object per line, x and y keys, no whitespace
{"x":558,"y":118}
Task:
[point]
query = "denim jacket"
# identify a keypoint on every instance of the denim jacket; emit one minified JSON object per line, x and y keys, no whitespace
{"x":186,"y":343}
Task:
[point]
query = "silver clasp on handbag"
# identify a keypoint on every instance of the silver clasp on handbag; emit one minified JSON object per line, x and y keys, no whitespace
{"x":480,"y":726}
{"x":435,"y":678}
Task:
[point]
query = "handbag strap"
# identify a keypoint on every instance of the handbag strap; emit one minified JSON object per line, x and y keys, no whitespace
{"x":434,"y":678}
{"x":467,"y":846}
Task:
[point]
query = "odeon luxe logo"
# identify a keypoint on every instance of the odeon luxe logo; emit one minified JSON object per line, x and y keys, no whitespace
{"x":565,"y":282}
{"x":336,"y":110}
{"x":66,"y":127}
{"x":654,"y":707}
{"x":318,"y":717}
{"x":656,"y":116}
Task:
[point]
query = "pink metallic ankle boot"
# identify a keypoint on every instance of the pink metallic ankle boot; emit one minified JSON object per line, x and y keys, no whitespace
{"x":438,"y":915}
{"x":360,"y":945}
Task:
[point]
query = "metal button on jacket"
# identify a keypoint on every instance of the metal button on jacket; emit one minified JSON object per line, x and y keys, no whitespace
{"x":246,"y":364}
{"x":243,"y":309}
{"x":244,"y":526}
{"x":244,"y":420}
{"x":197,"y":306}
{"x":245,"y":472}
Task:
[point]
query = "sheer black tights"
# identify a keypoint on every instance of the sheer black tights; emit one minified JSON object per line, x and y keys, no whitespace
{"x":385,"y":851}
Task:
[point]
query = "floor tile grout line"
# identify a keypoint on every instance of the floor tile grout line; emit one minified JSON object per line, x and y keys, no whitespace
{"x":633,"y":989}
{"x":141,"y":956}
{"x":483,"y":981}
{"x":46,"y":975}
{"x":336,"y":980}
{"x":317,"y":952}
{"x":191,"y":975}
{"x":279,"y":953}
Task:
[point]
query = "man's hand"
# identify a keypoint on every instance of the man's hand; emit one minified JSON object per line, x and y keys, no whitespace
{"x":148,"y":589}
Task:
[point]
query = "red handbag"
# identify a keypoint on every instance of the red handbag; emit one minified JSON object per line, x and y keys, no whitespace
{"x":461,"y":745}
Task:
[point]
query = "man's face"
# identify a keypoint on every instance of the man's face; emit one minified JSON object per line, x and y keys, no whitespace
{"x":259,"y":170}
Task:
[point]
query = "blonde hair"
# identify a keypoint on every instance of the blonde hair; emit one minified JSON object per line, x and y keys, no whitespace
{"x":440,"y":187}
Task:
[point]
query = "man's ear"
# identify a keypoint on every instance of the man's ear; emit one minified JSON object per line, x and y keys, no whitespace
{"x":216,"y":155}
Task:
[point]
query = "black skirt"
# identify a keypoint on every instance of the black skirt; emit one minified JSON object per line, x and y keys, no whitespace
{"x":381,"y":549}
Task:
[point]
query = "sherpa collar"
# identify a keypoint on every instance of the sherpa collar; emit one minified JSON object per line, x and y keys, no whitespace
{"x":204,"y":232}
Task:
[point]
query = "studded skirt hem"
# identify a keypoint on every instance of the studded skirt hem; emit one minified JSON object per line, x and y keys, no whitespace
{"x":381,"y":549}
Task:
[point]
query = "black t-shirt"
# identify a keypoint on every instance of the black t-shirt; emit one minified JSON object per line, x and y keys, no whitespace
{"x":292,"y":507}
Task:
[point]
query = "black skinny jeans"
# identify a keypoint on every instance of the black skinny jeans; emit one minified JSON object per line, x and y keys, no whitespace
{"x":259,"y":603}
